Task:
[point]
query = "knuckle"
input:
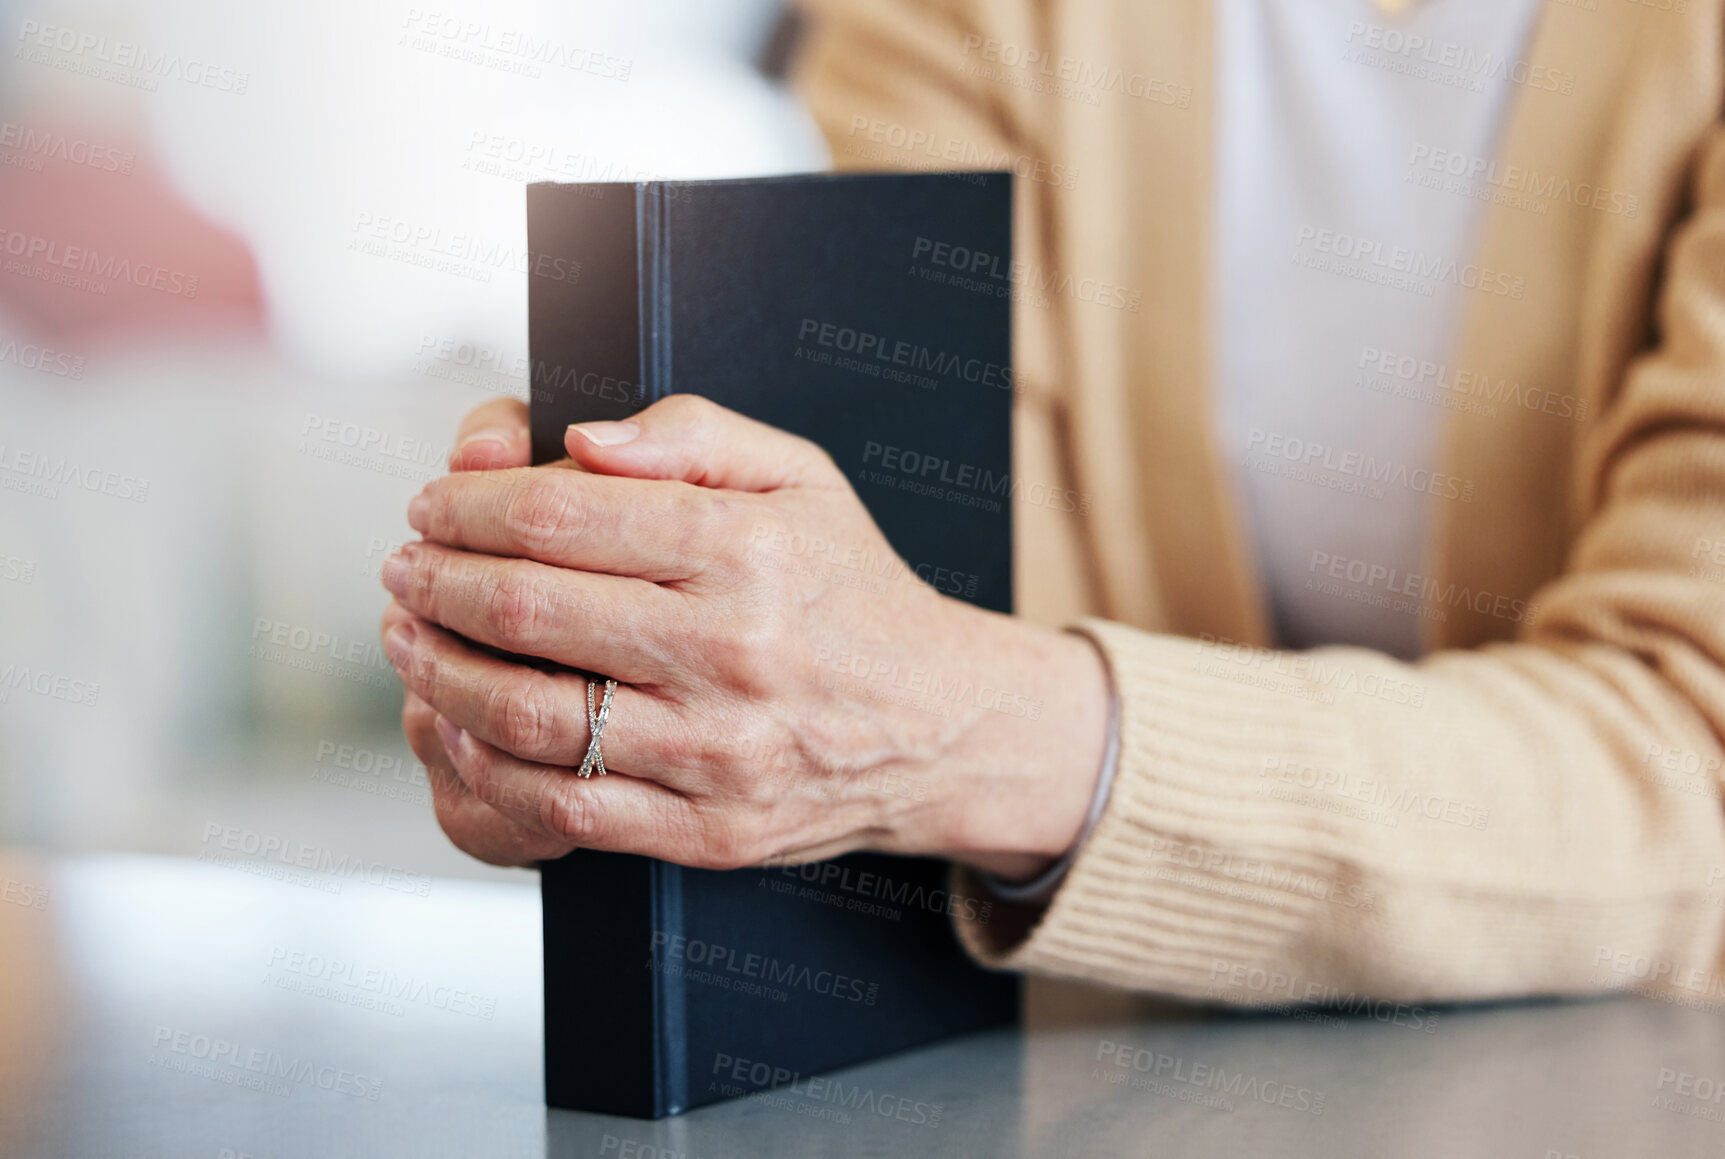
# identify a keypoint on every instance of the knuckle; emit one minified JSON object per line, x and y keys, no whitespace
{"x":706,"y":524}
{"x":728,"y":847}
{"x":749,"y":649}
{"x":426,"y":577}
{"x":423,"y":670}
{"x":541,"y":510}
{"x":523,"y":715}
{"x":570,"y":810}
{"x":689,"y":406}
{"x":512,"y":606}
{"x":437,"y":508}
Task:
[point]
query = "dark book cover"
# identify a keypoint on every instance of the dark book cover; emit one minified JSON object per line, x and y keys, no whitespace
{"x":872,"y":315}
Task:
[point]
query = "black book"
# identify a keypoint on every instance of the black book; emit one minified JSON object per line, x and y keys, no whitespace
{"x":870,"y":314}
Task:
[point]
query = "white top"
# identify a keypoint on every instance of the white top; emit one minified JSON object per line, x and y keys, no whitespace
{"x":1348,"y":147}
{"x":1344,"y":245}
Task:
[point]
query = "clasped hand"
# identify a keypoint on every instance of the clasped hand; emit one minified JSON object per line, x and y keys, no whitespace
{"x":774,"y":702}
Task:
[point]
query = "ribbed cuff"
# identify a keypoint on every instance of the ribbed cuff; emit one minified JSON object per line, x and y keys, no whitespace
{"x":1195,"y":867}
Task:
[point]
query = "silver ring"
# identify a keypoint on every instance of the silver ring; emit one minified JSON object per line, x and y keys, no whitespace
{"x":595,"y":760}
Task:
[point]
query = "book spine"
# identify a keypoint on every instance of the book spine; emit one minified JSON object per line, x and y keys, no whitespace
{"x":652,"y":233}
{"x":670,"y":992}
{"x":585,"y":326}
{"x":601,"y":985}
{"x":615,"y":1024}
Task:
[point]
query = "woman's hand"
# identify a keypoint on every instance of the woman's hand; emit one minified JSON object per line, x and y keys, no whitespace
{"x":788,"y":688}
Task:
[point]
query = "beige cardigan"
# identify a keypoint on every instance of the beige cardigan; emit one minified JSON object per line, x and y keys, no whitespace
{"x":1534,"y":806}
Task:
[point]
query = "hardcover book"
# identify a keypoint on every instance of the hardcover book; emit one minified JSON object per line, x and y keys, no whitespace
{"x":870,"y":314}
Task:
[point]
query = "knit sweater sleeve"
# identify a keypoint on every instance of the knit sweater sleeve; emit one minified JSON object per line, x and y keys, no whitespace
{"x":1539,"y":816}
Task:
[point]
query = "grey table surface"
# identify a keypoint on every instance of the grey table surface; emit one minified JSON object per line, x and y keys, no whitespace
{"x":148,"y":1001}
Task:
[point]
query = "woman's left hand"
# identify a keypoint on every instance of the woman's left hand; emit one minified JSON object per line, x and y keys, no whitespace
{"x":788,"y":688}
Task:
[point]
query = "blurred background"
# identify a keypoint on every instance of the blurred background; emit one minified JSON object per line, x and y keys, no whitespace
{"x":255,"y":262}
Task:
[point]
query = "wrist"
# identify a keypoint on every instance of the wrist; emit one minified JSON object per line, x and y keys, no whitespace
{"x":1011,"y":789}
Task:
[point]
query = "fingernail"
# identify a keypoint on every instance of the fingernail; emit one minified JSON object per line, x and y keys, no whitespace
{"x":394,"y":574}
{"x":419,"y":512}
{"x":398,"y":642}
{"x":450,"y":735}
{"x":607,"y":434}
{"x":486,"y":445}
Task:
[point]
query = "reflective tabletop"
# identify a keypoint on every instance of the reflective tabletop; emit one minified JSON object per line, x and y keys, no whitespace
{"x":158,"y":1007}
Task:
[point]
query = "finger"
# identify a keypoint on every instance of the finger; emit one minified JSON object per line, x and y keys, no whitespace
{"x":493,"y":436}
{"x":619,"y":813}
{"x":475,"y":827}
{"x":648,"y":529}
{"x":538,"y":716}
{"x":596,"y":622}
{"x":689,"y":439}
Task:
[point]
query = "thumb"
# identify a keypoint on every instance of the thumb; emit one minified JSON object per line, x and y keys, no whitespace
{"x":687,"y":438}
{"x":492,"y":436}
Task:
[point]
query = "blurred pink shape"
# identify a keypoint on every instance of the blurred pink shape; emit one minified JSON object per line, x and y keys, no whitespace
{"x":91,"y":253}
